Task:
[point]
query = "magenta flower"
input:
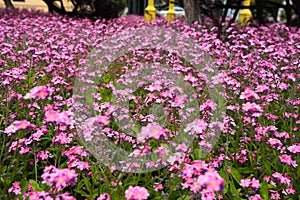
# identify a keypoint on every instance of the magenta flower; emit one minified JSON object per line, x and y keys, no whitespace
{"x":51,"y":116}
{"x":275,"y":143}
{"x":59,"y":178}
{"x":214,"y":181}
{"x":198,"y":126}
{"x":103,"y":120}
{"x":255,"y":184}
{"x":249,"y":95}
{"x":282,"y":179}
{"x":43,"y":155}
{"x":287,"y":159}
{"x":38,"y":92}
{"x":18,"y":125}
{"x":16,"y":189}
{"x":252,"y":109}
{"x":65,"y":196}
{"x":250,"y":183}
{"x":245,"y":182}
{"x":179,"y":101}
{"x":255,"y":197}
{"x":64,"y":117}
{"x":294,"y":148}
{"x":208,"y":106}
{"x":262,"y":88}
{"x":40,"y":195}
{"x":152,"y":130}
{"x":104,"y":196}
{"x":136,"y":193}
{"x":154,"y":87}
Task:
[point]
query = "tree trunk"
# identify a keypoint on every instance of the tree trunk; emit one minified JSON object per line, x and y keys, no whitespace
{"x":192,"y":11}
{"x":109,"y":9}
{"x":54,"y":8}
{"x":296,"y":21}
{"x":8,"y":4}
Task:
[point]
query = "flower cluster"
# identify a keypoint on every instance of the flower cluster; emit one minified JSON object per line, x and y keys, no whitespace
{"x":59,"y":178}
{"x":200,"y":179}
{"x":136,"y":193}
{"x":172,"y":114}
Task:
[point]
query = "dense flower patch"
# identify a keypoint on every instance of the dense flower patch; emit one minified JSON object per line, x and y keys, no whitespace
{"x":43,"y":157}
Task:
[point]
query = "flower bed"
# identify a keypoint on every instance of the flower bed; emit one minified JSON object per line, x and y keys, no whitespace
{"x":44,"y":155}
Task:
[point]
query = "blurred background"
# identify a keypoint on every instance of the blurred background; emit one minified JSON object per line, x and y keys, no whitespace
{"x":219,"y":11}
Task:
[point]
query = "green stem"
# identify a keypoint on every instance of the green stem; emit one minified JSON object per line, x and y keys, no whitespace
{"x":35,"y":161}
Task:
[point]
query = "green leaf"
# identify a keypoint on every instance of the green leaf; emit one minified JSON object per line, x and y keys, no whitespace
{"x":226,"y":186}
{"x":245,"y":170}
{"x":135,"y":129}
{"x":31,"y":80}
{"x":35,"y":185}
{"x":184,"y":197}
{"x":81,"y":192}
{"x":236,"y":175}
{"x":24,"y":185}
{"x":175,"y":194}
{"x":87,"y":184}
{"x":115,"y":196}
{"x":233,"y":190}
{"x":264,"y":191}
{"x":267,"y":166}
{"x":224,"y":174}
{"x":198,"y":154}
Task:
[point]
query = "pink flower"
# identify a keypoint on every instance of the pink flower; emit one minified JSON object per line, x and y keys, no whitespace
{"x":43,"y":155}
{"x":39,"y":92}
{"x":275,"y":143}
{"x":154,"y":87}
{"x":62,"y":138}
{"x":249,"y":95}
{"x":294,"y":148}
{"x":209,"y":105}
{"x":289,"y":191}
{"x":18,"y":125}
{"x":275,"y":195}
{"x":64,"y":117}
{"x":179,"y":101}
{"x":262,"y":88}
{"x":152,"y":130}
{"x":51,"y":116}
{"x":245,"y":182}
{"x":103,"y":120}
{"x":287,"y":159}
{"x":252,"y":183}
{"x":65,"y":196}
{"x":162,"y":151}
{"x":16,"y":189}
{"x":255,"y":184}
{"x":252,"y":109}
{"x":104,"y":196}
{"x":199,"y":178}
{"x":75,"y":150}
{"x":59,"y":178}
{"x":157,"y":186}
{"x":279,"y":177}
{"x":214,"y":181}
{"x":256,"y":197}
{"x":136,"y":193}
{"x":40,"y":195}
{"x":198,"y":126}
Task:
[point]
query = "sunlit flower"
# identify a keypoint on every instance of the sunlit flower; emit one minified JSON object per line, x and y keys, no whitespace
{"x":136,"y":193}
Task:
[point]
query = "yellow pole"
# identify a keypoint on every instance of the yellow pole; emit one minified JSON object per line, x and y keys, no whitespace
{"x":171,"y":12}
{"x":150,"y":11}
{"x":245,"y":14}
